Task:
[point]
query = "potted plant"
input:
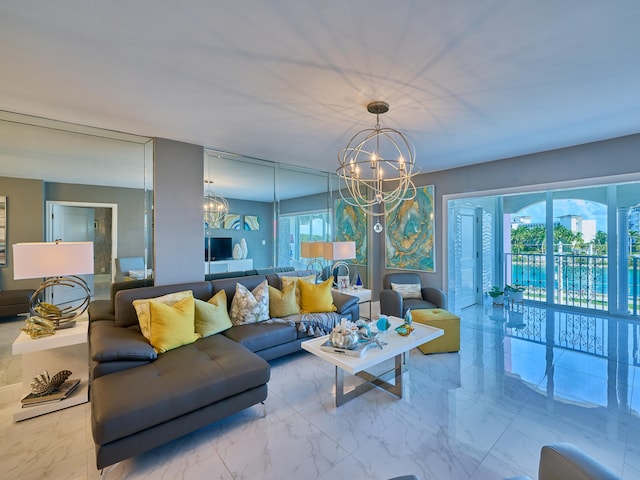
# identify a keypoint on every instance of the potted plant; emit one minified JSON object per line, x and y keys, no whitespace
{"x":497,"y":294}
{"x":515,"y":293}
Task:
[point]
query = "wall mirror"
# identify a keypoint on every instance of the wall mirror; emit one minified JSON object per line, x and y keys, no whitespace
{"x":274,"y":207}
{"x":3,"y":231}
{"x":48,"y":167}
{"x":248,"y":186}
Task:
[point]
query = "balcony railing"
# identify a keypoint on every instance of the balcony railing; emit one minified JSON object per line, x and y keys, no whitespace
{"x":578,"y":280}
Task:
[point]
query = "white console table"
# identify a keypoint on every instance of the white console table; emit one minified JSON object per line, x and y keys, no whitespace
{"x":221,"y":266}
{"x":68,"y":349}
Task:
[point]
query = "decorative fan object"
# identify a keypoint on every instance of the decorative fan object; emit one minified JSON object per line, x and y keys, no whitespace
{"x":44,"y":385}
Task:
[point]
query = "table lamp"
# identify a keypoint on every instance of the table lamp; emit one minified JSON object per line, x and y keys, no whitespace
{"x":58,"y":263}
{"x":313,"y":250}
{"x":340,"y":251}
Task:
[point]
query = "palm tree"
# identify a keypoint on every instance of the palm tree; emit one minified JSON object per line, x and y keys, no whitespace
{"x":600,"y":243}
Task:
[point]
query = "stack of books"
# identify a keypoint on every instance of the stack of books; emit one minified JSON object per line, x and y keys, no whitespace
{"x":66,"y":389}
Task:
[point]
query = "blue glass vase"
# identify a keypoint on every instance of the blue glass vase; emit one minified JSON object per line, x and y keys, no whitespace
{"x":408,"y":318}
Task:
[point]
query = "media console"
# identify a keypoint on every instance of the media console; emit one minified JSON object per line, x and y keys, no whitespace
{"x":220,"y":266}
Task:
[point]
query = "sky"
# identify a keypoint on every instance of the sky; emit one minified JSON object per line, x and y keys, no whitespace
{"x":588,"y":210}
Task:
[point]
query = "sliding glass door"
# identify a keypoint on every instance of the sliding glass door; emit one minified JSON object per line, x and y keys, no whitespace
{"x":578,"y":247}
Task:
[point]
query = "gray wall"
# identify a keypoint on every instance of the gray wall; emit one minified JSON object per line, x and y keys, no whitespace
{"x":608,"y":158}
{"x":130,"y":203}
{"x":309,"y":203}
{"x":25,"y":223}
{"x":178,"y":233}
{"x":26,"y":211}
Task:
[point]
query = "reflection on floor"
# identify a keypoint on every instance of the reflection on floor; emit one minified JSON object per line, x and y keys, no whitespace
{"x":522,"y":379}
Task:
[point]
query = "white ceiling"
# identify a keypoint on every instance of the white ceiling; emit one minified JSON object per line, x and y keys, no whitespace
{"x":468,"y":80}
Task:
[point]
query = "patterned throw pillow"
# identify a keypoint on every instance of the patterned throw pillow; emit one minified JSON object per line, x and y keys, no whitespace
{"x":250,"y":307}
{"x":407,"y":290}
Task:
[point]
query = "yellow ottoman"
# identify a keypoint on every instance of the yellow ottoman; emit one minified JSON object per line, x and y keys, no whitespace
{"x":447,"y":321}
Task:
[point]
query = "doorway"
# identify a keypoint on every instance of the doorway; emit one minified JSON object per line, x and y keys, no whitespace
{"x":470,"y":264}
{"x":85,"y":221}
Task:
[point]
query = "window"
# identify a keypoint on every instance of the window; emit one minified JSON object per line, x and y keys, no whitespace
{"x":302,"y":227}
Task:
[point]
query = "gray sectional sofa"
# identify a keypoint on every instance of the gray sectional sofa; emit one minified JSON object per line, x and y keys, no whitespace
{"x":13,"y":302}
{"x":140,"y":399}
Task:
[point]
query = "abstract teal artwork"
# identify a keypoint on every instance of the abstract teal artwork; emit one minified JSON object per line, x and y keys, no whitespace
{"x":410,"y":233}
{"x":231,"y":221}
{"x":351,"y":226}
{"x":251,"y":222}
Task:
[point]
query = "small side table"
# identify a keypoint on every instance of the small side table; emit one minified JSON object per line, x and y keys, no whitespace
{"x":363,"y":294}
{"x":68,"y":349}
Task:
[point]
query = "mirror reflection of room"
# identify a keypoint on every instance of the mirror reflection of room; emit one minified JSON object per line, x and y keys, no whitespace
{"x":73,"y":183}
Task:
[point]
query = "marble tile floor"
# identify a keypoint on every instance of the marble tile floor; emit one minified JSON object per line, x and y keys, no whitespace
{"x":522,"y":379}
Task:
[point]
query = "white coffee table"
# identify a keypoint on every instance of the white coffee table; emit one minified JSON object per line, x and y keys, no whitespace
{"x":397,"y":346}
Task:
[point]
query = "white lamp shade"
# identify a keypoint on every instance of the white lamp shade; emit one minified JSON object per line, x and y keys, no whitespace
{"x":312,"y":249}
{"x":339,"y":250}
{"x":42,"y":260}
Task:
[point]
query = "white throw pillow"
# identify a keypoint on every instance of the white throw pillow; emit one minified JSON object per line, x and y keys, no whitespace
{"x":250,"y":307}
{"x":407,"y":290}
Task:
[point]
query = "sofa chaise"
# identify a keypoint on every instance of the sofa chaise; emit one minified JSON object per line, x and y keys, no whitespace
{"x":141,"y":399}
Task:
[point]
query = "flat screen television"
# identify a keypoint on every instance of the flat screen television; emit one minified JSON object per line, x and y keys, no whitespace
{"x":218,"y":248}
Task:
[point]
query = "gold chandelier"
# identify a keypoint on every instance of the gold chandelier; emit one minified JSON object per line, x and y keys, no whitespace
{"x":215,"y":207}
{"x":377,"y":167}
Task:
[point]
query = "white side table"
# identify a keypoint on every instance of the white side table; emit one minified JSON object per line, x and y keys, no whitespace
{"x":68,"y":349}
{"x":363,"y":294}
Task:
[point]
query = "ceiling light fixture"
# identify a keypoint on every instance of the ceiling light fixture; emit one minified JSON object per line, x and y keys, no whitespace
{"x":377,"y":167}
{"x":215,"y":206}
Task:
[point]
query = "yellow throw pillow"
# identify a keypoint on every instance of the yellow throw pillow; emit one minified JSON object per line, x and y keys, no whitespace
{"x":171,"y":326}
{"x":287,"y":280}
{"x":212,"y":316}
{"x":316,"y":298}
{"x":142,"y":307}
{"x":283,"y":303}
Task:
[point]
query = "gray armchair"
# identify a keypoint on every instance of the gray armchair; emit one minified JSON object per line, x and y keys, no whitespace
{"x":392,"y":303}
{"x":126,"y":264}
{"x":562,"y":461}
